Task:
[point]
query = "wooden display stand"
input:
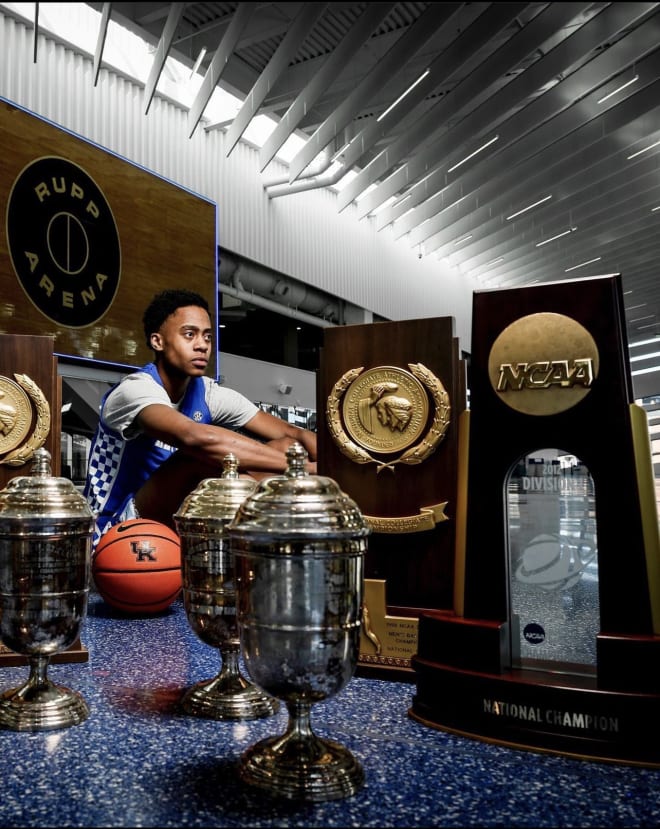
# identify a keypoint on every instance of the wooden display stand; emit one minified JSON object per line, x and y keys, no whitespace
{"x":30,"y":362}
{"x":391,"y":394}
{"x":550,"y":368}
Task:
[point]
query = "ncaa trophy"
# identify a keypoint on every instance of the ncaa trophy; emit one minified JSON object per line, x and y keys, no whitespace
{"x":553,"y":640}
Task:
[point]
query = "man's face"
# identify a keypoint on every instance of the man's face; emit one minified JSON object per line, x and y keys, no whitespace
{"x":184,"y":341}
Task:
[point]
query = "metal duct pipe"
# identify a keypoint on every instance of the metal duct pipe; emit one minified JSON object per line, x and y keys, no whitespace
{"x":287,"y":295}
{"x":316,"y":168}
{"x":273,"y":191}
{"x":272,"y":305}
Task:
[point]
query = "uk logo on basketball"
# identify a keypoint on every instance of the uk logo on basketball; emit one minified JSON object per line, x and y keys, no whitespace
{"x":143,"y":551}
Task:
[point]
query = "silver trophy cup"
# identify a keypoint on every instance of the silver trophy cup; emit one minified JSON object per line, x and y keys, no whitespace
{"x":299,"y":544}
{"x":45,"y":553}
{"x":209,"y":597}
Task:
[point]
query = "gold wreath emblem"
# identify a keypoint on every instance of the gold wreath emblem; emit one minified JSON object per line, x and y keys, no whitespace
{"x":23,"y":453}
{"x":415,"y":454}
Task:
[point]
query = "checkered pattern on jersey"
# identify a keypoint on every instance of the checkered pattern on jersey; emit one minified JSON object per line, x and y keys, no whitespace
{"x":105,"y":458}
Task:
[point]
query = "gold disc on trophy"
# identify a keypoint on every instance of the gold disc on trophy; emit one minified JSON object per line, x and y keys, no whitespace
{"x":543,"y":364}
{"x":15,"y":415}
{"x":385,"y":409}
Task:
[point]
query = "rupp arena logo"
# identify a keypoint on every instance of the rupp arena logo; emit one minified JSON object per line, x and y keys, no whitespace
{"x":63,"y":242}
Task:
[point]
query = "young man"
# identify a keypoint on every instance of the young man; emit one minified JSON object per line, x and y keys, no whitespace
{"x":167,"y":426}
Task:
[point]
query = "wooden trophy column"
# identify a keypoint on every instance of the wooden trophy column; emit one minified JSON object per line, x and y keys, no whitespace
{"x":391,"y":394}
{"x":31,"y":390}
{"x":554,"y":642}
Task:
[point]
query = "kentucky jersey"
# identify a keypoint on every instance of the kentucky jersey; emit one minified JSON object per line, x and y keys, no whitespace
{"x":118,"y":466}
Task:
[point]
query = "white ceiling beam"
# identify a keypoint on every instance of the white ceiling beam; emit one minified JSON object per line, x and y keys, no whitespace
{"x":354,"y":39}
{"x":422,"y":30}
{"x":219,"y":62}
{"x":434,"y":122}
{"x":543,"y":130}
{"x":284,"y":54}
{"x":100,"y":41}
{"x":162,"y":50}
{"x":445,"y":66}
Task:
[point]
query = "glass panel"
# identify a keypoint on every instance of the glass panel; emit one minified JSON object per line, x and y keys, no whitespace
{"x":553,"y":563}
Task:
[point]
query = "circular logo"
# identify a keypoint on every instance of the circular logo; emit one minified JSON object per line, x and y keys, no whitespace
{"x":543,"y":364}
{"x":385,"y":409}
{"x":63,"y":242}
{"x":534,"y":633}
{"x":15,"y":415}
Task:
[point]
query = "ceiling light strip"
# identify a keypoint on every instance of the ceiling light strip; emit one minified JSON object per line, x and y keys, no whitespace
{"x":558,"y":236}
{"x":646,"y":356}
{"x":468,"y":157}
{"x":582,"y":264}
{"x":618,"y":89}
{"x":529,"y":207}
{"x":403,"y":95}
{"x":645,"y":150}
{"x":645,"y":342}
{"x":644,"y":371}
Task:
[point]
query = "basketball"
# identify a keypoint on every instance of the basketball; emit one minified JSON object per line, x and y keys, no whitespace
{"x":137,"y":566}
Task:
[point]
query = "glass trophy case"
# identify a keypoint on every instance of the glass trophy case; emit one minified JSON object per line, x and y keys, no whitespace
{"x":553,"y":563}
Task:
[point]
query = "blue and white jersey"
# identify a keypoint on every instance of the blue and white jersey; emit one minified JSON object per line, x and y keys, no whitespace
{"x":122,"y":458}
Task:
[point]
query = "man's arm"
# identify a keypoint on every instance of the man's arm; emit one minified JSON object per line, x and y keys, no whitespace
{"x":280,"y":434}
{"x":209,"y":444}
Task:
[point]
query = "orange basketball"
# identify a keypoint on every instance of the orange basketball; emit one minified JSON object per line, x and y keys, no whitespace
{"x":137,"y":566}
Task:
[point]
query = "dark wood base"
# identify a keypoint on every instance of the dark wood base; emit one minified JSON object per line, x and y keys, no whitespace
{"x":391,"y":670}
{"x":556,"y":713}
{"x":76,"y":653}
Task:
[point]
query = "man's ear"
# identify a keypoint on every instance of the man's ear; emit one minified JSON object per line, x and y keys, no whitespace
{"x":156,"y":342}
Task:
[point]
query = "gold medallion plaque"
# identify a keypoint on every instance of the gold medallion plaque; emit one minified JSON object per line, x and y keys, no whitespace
{"x":543,"y":364}
{"x":16,"y":401}
{"x":385,"y":410}
{"x":15,"y":415}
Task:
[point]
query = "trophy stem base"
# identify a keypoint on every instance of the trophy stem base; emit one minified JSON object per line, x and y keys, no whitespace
{"x":219,"y":699}
{"x":301,"y":766}
{"x":45,"y":708}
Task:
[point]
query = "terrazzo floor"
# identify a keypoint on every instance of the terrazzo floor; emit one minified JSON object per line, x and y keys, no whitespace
{"x":138,"y":762}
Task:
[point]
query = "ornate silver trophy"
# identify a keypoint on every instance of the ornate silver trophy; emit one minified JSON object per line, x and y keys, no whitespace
{"x":299,"y":544}
{"x":209,"y":596}
{"x":45,"y":554}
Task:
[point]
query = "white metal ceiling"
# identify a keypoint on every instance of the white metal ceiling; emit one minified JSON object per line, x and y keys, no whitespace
{"x":542,"y":85}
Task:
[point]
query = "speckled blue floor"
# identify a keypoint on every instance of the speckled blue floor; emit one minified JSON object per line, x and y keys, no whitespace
{"x":137,"y":762}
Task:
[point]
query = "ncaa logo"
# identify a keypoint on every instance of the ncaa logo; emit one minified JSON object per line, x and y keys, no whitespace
{"x":63,"y":242}
{"x":534,"y":633}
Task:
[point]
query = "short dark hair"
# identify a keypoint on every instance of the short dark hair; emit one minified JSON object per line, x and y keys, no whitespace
{"x":166,"y":303}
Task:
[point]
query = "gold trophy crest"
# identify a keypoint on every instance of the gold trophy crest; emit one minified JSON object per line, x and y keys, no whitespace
{"x":385,"y":410}
{"x":17,"y":399}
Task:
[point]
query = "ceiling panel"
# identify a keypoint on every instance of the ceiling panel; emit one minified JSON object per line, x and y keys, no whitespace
{"x":544,"y":110}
